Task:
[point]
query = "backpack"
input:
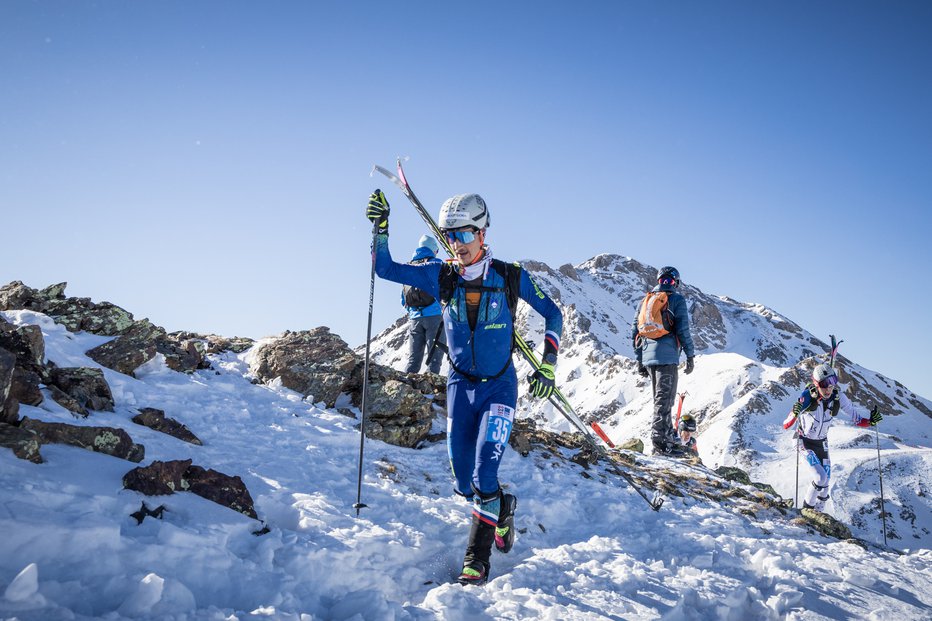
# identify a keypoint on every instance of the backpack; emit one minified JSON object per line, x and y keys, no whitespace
{"x":655,"y":318}
{"x":414,"y":297}
{"x":511,"y":274}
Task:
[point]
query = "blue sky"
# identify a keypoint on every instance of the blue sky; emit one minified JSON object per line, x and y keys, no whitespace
{"x":202,"y":162}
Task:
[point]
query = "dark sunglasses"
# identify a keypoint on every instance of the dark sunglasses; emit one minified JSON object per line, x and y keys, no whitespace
{"x":463,"y":237}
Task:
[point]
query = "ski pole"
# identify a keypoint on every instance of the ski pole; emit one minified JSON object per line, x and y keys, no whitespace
{"x":883,"y":512}
{"x":796,"y":489}
{"x":365,"y":374}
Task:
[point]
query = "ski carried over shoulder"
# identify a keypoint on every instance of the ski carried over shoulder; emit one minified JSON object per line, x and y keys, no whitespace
{"x":557,"y":399}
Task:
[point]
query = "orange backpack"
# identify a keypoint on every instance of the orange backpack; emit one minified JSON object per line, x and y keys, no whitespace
{"x":654,"y":320}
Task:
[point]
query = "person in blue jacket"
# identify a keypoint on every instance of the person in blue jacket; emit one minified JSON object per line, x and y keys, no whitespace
{"x":425,"y":323}
{"x":658,"y":358}
{"x":478,"y":294}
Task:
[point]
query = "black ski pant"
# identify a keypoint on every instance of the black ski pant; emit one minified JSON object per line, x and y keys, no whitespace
{"x":663,"y":378}
{"x":421,"y":333}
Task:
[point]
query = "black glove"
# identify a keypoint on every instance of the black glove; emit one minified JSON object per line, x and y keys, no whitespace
{"x":542,"y":381}
{"x":378,"y":210}
{"x":689,"y":365}
{"x":876,"y":416}
{"x":642,"y":370}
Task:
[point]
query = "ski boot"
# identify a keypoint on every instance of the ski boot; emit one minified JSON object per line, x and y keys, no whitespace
{"x":476,"y":573}
{"x":505,"y":530}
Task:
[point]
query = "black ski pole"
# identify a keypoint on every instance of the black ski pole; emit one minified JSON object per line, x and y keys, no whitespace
{"x":796,"y":446}
{"x":883,"y":512}
{"x":365,"y":374}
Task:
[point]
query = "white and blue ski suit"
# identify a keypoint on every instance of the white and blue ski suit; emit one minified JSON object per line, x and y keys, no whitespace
{"x":815,"y":416}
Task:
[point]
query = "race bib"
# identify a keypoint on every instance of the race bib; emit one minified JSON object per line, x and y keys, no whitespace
{"x":501,"y":418}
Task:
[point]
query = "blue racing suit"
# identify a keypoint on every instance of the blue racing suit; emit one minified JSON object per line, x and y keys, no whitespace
{"x":482,"y":387}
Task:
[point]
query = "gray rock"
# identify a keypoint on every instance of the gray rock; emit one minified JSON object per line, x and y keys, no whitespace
{"x":26,"y":343}
{"x":129,"y":351}
{"x":84,"y":385}
{"x":314,"y":363}
{"x":107,"y":440}
{"x":398,"y":414}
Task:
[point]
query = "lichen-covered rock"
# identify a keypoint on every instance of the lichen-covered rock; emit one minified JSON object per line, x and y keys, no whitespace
{"x":214,"y":344}
{"x":156,"y":419}
{"x":16,"y":296}
{"x":74,"y":313}
{"x":182,"y":355}
{"x":62,"y":398}
{"x":825,"y":524}
{"x":107,"y":440}
{"x":129,"y":351}
{"x":634,"y":444}
{"x":734,"y":474}
{"x":24,"y":443}
{"x":314,"y":363}
{"x":85,"y":385}
{"x":161,"y":478}
{"x":24,"y":342}
{"x":398,"y":414}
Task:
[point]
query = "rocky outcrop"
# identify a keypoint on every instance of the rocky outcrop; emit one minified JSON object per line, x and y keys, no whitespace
{"x":107,"y":440}
{"x":315,"y":363}
{"x":155,"y":419}
{"x":162,"y":478}
{"x":73,"y":313}
{"x":137,"y":342}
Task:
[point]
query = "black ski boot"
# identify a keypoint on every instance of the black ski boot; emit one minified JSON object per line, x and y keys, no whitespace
{"x":505,"y":531}
{"x":485,"y":514}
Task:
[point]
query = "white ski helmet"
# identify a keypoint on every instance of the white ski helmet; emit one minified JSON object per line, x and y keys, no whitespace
{"x":824,"y":375}
{"x":464,"y":210}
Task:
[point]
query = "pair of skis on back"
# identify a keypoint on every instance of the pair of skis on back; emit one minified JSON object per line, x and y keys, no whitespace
{"x":557,"y":399}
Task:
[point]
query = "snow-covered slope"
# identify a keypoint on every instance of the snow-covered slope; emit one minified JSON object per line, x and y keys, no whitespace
{"x":751,"y":365}
{"x":588,"y":547}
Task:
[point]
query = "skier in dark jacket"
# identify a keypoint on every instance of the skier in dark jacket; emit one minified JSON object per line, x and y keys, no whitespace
{"x":658,"y":359}
{"x":816,"y":409}
{"x":482,"y":386}
{"x":425,"y":323}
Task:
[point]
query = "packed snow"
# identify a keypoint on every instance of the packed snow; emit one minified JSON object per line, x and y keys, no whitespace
{"x":588,"y":547}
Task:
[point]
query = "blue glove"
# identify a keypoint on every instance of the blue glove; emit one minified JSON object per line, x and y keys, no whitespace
{"x":378,"y":210}
{"x":542,"y":381}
